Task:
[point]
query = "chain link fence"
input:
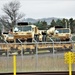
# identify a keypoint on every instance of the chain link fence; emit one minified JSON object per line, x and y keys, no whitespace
{"x":35,"y":57}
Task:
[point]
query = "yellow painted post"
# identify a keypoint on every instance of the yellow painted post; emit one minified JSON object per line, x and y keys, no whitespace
{"x":70,"y":69}
{"x":70,"y":64}
{"x":14,"y":64}
{"x":69,"y":59}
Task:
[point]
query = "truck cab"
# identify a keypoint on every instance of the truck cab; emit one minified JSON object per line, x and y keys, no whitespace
{"x":63,"y":33}
{"x":25,"y":32}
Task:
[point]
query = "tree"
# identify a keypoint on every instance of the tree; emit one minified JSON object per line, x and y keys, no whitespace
{"x":0,"y":30}
{"x":53,"y":23}
{"x":11,"y":16}
{"x":71,"y":24}
{"x":64,"y":22}
{"x":59,"y":22}
{"x":38,"y":24}
{"x":44,"y":25}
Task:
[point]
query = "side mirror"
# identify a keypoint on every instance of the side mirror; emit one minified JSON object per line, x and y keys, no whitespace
{"x":56,"y":31}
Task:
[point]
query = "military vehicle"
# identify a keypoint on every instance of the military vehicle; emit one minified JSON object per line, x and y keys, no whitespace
{"x":7,"y":37}
{"x":24,"y":32}
{"x":63,"y":34}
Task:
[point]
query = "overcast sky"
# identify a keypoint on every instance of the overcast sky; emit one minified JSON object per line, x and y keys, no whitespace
{"x":45,"y":8}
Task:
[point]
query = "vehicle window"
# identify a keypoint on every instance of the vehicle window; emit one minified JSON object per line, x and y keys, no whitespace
{"x":65,"y":30}
{"x":59,"y":30}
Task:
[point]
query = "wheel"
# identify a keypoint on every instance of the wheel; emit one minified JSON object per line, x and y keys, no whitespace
{"x":30,"y":52}
{"x":36,"y":37}
{"x":44,"y":38}
{"x":10,"y":41}
{"x":19,"y":52}
{"x":29,"y":40}
{"x":34,"y":51}
{"x":51,"y":50}
{"x":68,"y":39}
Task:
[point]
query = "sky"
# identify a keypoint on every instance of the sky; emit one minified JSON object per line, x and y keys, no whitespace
{"x":45,"y":8}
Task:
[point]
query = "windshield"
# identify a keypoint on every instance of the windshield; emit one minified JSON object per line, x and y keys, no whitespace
{"x":63,"y":30}
{"x":23,"y":28}
{"x":10,"y":35}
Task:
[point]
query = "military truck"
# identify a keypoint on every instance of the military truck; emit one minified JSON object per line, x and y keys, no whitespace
{"x":63,"y":34}
{"x":7,"y":37}
{"x":24,"y":32}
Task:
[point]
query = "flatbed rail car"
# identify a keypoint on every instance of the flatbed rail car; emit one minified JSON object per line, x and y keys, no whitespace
{"x":31,"y":47}
{"x":4,"y":48}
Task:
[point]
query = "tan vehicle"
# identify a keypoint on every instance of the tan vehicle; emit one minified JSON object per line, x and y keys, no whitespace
{"x":8,"y":37}
{"x":29,"y":32}
{"x":25,"y":32}
{"x":51,"y":31}
{"x":64,"y":34}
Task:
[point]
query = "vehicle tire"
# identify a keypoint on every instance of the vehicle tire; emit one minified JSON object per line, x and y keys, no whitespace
{"x":29,"y":40}
{"x":36,"y":37}
{"x":19,"y":52}
{"x":67,"y":39}
{"x":34,"y":51}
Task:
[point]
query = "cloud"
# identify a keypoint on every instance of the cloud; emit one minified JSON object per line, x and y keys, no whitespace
{"x":46,"y":8}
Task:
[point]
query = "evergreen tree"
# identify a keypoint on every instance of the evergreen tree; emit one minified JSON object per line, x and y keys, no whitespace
{"x":44,"y":25}
{"x":71,"y":24}
{"x":53,"y":23}
{"x":59,"y":22}
{"x":64,"y":22}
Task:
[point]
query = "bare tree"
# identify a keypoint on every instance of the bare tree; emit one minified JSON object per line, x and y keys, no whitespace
{"x":12,"y":14}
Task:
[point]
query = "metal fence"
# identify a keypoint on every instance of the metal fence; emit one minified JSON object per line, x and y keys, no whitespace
{"x":35,"y":56}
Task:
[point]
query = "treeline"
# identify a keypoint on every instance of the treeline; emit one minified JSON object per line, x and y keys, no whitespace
{"x":12,"y":16}
{"x":66,"y":23}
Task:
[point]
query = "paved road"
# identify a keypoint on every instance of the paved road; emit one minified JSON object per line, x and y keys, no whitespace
{"x":40,"y":73}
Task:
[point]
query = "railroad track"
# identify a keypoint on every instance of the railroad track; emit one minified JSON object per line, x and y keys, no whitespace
{"x":40,"y":73}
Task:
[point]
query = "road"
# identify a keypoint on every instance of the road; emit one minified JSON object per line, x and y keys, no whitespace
{"x":40,"y":73}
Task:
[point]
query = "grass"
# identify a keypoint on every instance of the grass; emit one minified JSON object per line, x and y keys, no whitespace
{"x":32,"y":64}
